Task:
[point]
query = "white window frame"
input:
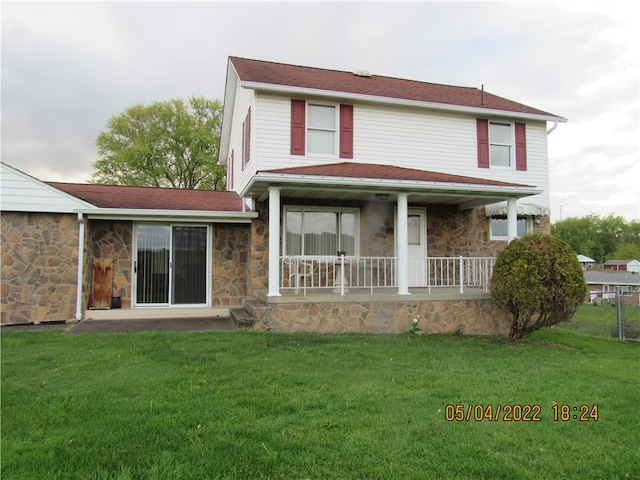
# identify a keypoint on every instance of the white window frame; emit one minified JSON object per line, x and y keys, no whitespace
{"x":335,"y":130}
{"x":511,"y":144}
{"x":306,"y":208}
{"x":528,"y":226}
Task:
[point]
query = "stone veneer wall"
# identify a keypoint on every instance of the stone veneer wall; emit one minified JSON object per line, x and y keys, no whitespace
{"x":112,"y":239}
{"x":39,"y":267}
{"x":230,"y":281}
{"x":470,"y":317}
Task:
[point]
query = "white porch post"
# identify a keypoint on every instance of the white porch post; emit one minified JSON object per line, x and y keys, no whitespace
{"x":274,"y":242}
{"x":512,"y":219}
{"x":403,"y":245}
{"x":80,"y":267}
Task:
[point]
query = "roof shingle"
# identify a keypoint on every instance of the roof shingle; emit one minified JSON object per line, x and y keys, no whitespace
{"x":116,"y":196}
{"x":272,"y":73}
{"x":385,"y":172}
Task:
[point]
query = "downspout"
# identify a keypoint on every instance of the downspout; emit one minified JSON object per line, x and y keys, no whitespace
{"x":80,"y":267}
{"x":555,"y":125}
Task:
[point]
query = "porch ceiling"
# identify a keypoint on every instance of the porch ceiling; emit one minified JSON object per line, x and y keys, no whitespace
{"x":465,"y":192}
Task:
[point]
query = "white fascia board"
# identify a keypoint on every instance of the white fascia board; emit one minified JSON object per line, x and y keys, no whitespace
{"x":489,"y":112}
{"x":168,"y":215}
{"x":390,"y":185}
{"x":227,"y":113}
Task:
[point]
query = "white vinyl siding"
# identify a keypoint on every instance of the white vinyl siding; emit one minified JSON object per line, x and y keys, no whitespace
{"x":22,"y":193}
{"x":401,"y":136}
{"x":242,"y":173}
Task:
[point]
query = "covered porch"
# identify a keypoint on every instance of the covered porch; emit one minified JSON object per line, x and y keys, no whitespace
{"x":396,"y":230}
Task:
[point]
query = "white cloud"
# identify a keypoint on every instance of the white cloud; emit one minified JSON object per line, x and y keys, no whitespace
{"x":68,"y":67}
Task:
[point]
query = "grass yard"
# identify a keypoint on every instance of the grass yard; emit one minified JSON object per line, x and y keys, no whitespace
{"x":239,"y":405}
{"x":602,"y":320}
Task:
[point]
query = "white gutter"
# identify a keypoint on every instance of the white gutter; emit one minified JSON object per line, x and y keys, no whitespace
{"x":158,"y":215}
{"x":286,"y":89}
{"x":80,"y":267}
{"x":391,"y":185}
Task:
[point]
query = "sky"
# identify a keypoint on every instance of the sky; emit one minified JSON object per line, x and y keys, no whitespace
{"x":68,"y":67}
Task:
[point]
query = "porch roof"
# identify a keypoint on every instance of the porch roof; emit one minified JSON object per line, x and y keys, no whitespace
{"x":361,"y":181}
{"x":117,"y":201}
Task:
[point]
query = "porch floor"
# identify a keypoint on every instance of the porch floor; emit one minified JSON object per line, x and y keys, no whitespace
{"x":359,"y":295}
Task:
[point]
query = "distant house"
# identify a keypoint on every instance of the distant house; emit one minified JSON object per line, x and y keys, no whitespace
{"x":586,"y":262}
{"x":602,"y":286}
{"x":632,"y":266}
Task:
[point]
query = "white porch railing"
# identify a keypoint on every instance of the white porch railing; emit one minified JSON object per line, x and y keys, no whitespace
{"x":308,"y":274}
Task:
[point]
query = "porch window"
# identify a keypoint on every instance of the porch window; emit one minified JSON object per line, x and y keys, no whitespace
{"x":498,"y":227}
{"x":313,"y":231}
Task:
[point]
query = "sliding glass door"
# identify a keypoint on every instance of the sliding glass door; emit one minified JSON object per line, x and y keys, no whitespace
{"x":171,"y":265}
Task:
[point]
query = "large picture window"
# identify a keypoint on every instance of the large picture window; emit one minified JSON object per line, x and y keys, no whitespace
{"x":314,"y":231}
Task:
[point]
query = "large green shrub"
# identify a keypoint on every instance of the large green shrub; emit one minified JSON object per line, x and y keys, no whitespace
{"x":539,"y":281}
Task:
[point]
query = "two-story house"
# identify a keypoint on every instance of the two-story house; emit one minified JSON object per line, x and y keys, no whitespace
{"x":355,"y":203}
{"x":379,"y":199}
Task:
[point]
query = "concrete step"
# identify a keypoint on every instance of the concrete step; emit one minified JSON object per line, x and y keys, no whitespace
{"x":254,"y":307}
{"x":240,"y":317}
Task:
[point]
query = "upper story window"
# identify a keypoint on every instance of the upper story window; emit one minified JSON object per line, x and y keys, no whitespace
{"x":321,"y":129}
{"x":501,"y":144}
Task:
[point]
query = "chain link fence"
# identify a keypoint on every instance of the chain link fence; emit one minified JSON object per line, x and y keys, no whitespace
{"x":608,"y":314}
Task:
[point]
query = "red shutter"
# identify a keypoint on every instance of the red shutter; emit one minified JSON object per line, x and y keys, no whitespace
{"x":244,"y":147}
{"x":521,"y":147}
{"x":346,"y":131}
{"x":230,"y":168}
{"x":483,"y":143}
{"x":297,"y":127}
{"x":247,"y":155}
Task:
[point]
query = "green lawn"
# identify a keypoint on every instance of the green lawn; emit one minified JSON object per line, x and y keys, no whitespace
{"x":239,"y":405}
{"x":602,"y":320}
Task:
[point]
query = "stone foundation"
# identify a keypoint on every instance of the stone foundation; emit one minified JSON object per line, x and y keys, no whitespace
{"x":469,"y":317}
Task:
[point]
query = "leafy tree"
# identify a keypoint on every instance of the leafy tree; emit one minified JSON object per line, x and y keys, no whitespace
{"x":627,"y":251}
{"x":597,"y":237}
{"x":581,"y":234}
{"x":631,"y":233}
{"x":537,"y":278}
{"x":610,"y":230}
{"x":166,"y":144}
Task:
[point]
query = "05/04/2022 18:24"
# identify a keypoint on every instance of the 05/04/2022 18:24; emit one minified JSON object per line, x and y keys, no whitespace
{"x":518,"y":413}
